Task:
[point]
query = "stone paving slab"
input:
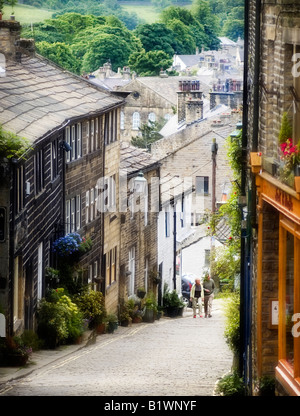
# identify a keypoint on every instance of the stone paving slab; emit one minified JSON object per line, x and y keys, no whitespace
{"x":171,"y":357}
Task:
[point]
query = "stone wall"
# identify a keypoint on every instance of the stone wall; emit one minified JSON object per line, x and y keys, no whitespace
{"x":134,"y":233}
{"x":269,"y":335}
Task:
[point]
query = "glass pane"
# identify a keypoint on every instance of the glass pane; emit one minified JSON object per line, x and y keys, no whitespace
{"x":289,"y":298}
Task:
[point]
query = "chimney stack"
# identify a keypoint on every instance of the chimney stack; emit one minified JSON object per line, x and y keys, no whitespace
{"x":9,"y":38}
{"x":189,"y":101}
{"x":11,"y":45}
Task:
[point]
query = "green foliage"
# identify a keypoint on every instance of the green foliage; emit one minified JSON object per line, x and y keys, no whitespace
{"x":12,"y":146}
{"x":92,"y":306}
{"x":231,"y":17}
{"x":226,"y":264}
{"x":286,"y":131}
{"x":59,"y":319}
{"x":61,"y":54}
{"x":156,"y":37}
{"x":201,"y":10}
{"x":230,"y":385}
{"x":149,"y":63}
{"x":232,"y":325}
{"x":234,"y":154}
{"x":171,"y":299}
{"x":150,"y":134}
{"x":11,"y":3}
{"x":150,"y":301}
{"x":103,"y":48}
{"x":266,"y":386}
{"x":234,"y":29}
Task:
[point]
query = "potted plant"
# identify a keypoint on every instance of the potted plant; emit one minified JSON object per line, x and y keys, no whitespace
{"x":141,"y":292}
{"x":290,"y":157}
{"x":92,"y":306}
{"x":173,"y":305}
{"x":150,"y":308}
{"x":13,"y":352}
{"x":112,"y":323}
{"x":154,"y":275}
{"x":124,"y":316}
{"x":137,"y":316}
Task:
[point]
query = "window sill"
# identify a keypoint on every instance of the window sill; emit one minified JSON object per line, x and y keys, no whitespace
{"x":284,"y":375}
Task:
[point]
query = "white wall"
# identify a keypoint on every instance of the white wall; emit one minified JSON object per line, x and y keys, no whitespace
{"x":193,"y":257}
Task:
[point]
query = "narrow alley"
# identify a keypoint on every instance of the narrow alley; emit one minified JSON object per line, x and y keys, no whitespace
{"x":170,"y":357}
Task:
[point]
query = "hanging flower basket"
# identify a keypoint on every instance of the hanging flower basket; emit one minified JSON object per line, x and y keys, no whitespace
{"x":71,"y":246}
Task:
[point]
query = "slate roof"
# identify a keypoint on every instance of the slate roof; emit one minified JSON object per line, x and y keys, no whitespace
{"x":37,"y":97}
{"x":168,"y":87}
{"x":134,"y":159}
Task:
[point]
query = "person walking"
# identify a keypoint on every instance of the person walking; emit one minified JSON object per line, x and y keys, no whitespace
{"x":196,"y":297}
{"x":208,"y":290}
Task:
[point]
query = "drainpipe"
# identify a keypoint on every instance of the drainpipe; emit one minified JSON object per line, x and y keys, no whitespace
{"x":245,"y":358}
{"x":12,"y":207}
{"x":175,"y":248}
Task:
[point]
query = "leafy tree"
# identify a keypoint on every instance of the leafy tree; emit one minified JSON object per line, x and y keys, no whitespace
{"x":149,"y":63}
{"x":201,"y":10}
{"x":233,"y":29}
{"x":185,"y":43}
{"x":103,"y":48}
{"x":61,"y":54}
{"x":156,"y":37}
{"x":149,"y":134}
{"x":184,"y":15}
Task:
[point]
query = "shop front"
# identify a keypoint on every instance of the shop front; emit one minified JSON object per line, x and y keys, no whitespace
{"x":278,"y":283}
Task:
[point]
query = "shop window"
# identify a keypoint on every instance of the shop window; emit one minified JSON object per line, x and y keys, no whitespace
{"x":296,"y":82}
{"x":289,"y":294}
{"x":288,"y":368}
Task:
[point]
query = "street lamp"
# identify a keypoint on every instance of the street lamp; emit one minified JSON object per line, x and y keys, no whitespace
{"x":140,"y":183}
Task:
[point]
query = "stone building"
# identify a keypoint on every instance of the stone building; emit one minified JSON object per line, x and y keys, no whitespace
{"x":270,"y":288}
{"x":53,"y":189}
{"x":139,"y":207}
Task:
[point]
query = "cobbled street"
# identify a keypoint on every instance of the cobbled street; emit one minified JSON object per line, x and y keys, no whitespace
{"x":170,"y":357}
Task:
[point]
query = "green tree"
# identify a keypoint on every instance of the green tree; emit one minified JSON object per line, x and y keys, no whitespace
{"x":103,"y":48}
{"x":185,"y":43}
{"x":149,"y":134}
{"x":156,"y":37}
{"x":202,"y":12}
{"x":61,"y":54}
{"x":233,"y":29}
{"x":192,"y":29}
{"x":149,"y":63}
